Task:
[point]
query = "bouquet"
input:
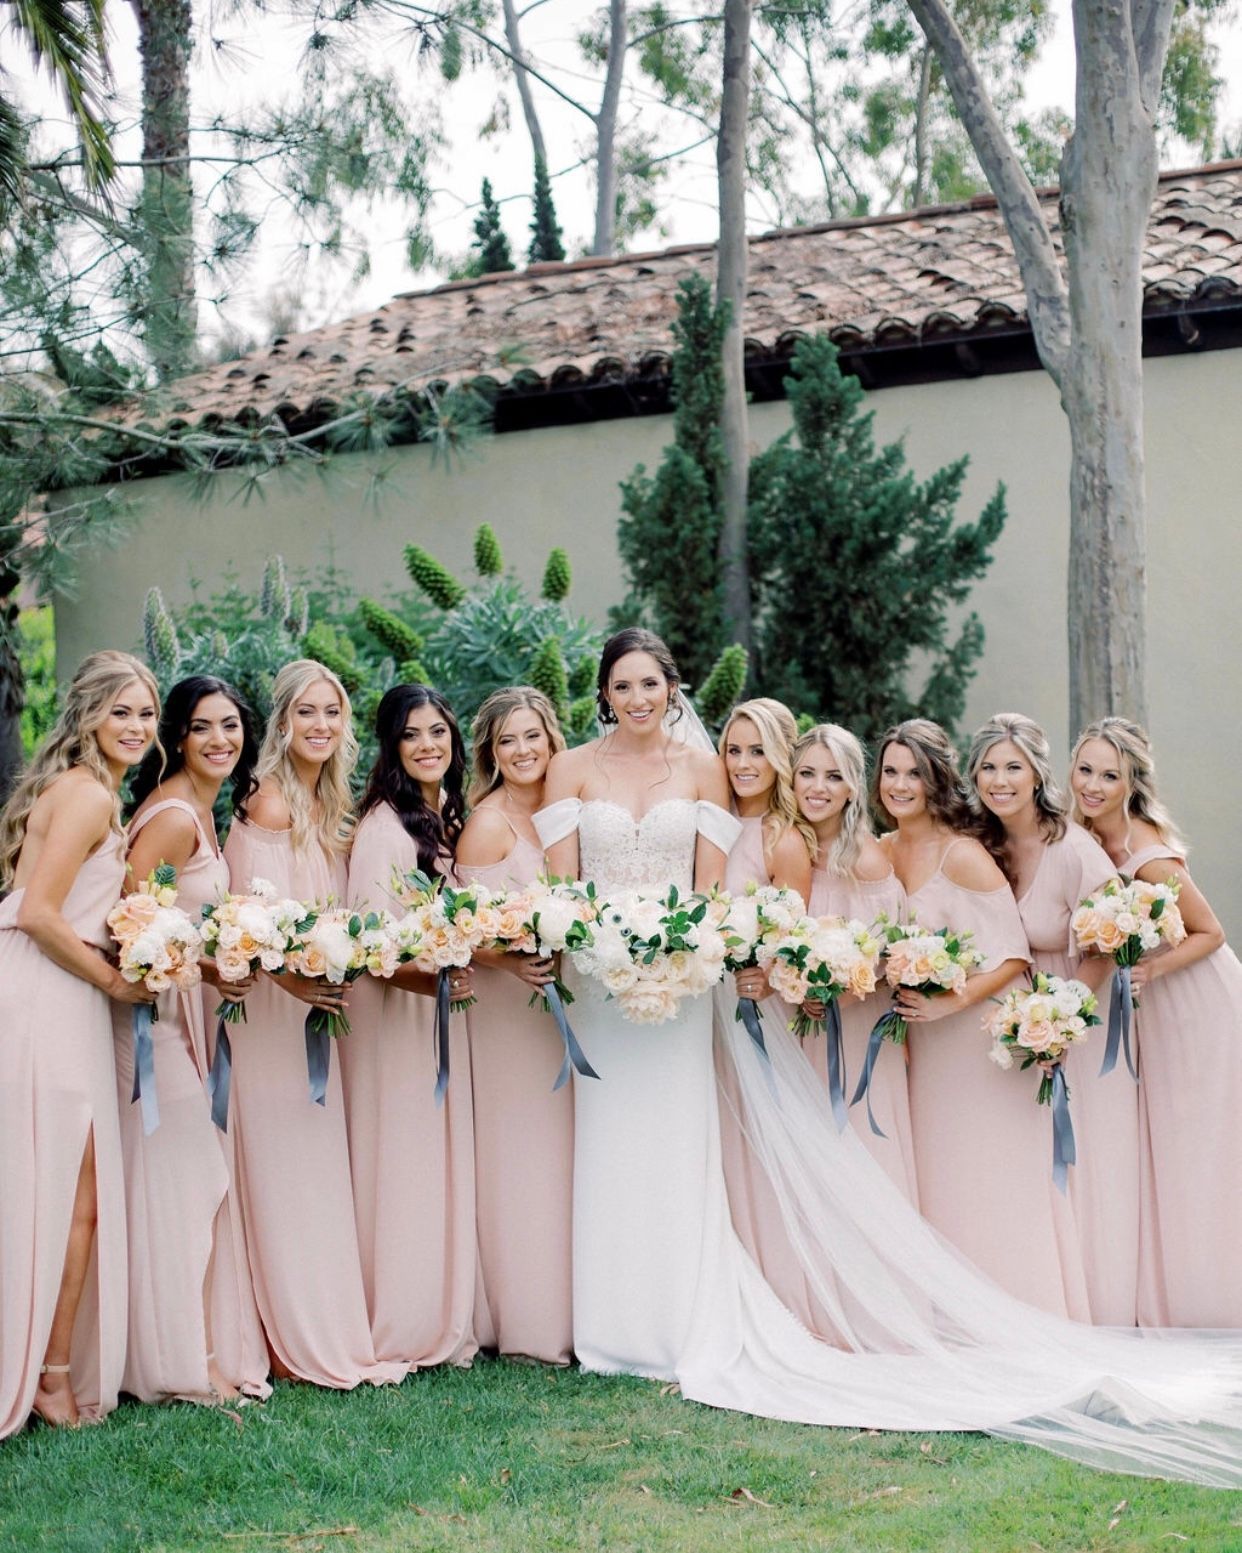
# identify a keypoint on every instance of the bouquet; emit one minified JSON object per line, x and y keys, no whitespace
{"x":1126,"y":920}
{"x":159,"y":945}
{"x":930,"y":962}
{"x":548,"y":917}
{"x":1038,"y":1024}
{"x":821,"y":958}
{"x":752,"y":923}
{"x":336,"y":944}
{"x":244,"y":934}
{"x":649,"y":952}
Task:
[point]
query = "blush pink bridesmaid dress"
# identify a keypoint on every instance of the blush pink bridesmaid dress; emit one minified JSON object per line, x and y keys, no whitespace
{"x":412,"y":1160}
{"x":524,"y":1153}
{"x":982,"y":1146}
{"x":1190,"y":1129}
{"x":1104,"y":1183}
{"x":292,"y":1156}
{"x":176,"y":1187}
{"x":835,"y":896}
{"x":57,"y":1087}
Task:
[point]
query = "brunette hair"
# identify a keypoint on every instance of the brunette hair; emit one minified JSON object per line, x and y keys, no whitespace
{"x":434,"y":834}
{"x":335,"y":822}
{"x":855,"y":822}
{"x":778,"y":732}
{"x":948,"y":797}
{"x":1138,"y":770}
{"x":72,"y":742}
{"x":175,"y":719}
{"x":1050,"y":802}
{"x":489,"y":721}
{"x":634,"y":639}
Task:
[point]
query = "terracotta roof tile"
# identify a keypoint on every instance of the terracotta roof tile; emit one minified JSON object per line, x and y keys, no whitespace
{"x":918,"y":275}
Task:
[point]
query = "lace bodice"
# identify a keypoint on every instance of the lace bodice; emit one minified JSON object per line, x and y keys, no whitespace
{"x":618,"y":852}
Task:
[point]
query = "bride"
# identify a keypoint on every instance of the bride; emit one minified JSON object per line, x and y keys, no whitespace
{"x":915,"y":1338}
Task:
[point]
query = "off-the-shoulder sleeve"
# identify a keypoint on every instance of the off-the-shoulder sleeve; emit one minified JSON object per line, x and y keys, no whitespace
{"x":717,"y":825}
{"x":557,"y":821}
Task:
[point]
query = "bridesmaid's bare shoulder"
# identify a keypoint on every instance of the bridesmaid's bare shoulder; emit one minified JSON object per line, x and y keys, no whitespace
{"x":873,"y":862}
{"x":487,"y":837}
{"x":970,"y":865}
{"x":268,"y":809}
{"x":78,"y":793}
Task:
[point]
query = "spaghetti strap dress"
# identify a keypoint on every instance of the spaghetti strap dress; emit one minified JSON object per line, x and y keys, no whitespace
{"x":1190,"y":1130}
{"x":57,"y":1089}
{"x":523,"y":1151}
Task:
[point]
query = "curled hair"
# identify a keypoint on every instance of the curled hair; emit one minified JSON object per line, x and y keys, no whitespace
{"x":434,"y":834}
{"x":851,"y":759}
{"x":335,"y":821}
{"x":778,"y":732}
{"x":634,"y":639}
{"x":178,"y":713}
{"x":72,"y":742}
{"x":1050,"y":802}
{"x":947,"y":795}
{"x":489,"y":722}
{"x":1138,"y":772}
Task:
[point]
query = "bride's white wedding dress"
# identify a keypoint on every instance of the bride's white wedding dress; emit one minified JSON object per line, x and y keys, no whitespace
{"x":915,"y":1337}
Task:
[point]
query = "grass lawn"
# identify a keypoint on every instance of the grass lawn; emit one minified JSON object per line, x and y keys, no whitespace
{"x":510,"y":1457}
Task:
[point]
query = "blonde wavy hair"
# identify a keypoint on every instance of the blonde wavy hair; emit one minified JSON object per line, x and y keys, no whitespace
{"x":72,"y":742}
{"x":1138,"y":771}
{"x":1051,"y":804}
{"x":335,"y":820}
{"x":851,"y":758}
{"x":489,"y":721}
{"x":778,"y":733}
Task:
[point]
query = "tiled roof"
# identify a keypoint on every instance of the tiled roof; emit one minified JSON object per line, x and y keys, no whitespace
{"x":915,"y":278}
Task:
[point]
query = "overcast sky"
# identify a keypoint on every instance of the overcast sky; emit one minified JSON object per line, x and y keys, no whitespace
{"x":259,"y":50}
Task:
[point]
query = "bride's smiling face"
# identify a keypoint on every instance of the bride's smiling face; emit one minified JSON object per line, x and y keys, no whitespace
{"x":638,"y":692}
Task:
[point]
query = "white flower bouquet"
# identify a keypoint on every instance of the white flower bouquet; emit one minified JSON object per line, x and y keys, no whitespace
{"x":649,"y":952}
{"x":248,"y":933}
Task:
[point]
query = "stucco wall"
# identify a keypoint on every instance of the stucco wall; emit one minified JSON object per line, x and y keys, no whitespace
{"x":559,"y":486}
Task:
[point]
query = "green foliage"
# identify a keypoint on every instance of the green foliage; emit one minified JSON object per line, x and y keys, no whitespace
{"x":547,"y":673}
{"x":582,"y":678}
{"x":392,"y":633}
{"x":436,"y":581}
{"x":722,"y":689}
{"x":490,"y":245}
{"x":488,"y":559}
{"x":159,"y":634}
{"x":545,"y":239}
{"x":557,"y":576}
{"x":36,"y":645}
{"x":855,"y":565}
{"x":669,"y":534}
{"x":335,"y":651}
{"x":582,"y":722}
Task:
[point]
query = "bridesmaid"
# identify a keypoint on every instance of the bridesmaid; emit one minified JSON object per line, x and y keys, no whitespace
{"x":62,"y":1208}
{"x":292,"y":1157}
{"x":774,"y":847}
{"x":412,"y":1160}
{"x":177,"y":1179}
{"x":853,"y":878}
{"x":1190,"y":1091}
{"x":1051,"y":865}
{"x":982,"y":1148}
{"x":523,"y":1129}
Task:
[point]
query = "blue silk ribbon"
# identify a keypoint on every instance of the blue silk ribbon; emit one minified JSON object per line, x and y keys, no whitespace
{"x":575,"y":1057}
{"x":318,"y":1055}
{"x":220,"y":1077}
{"x":836,"y":1066}
{"x":874,"y":1042}
{"x":748,"y":1013}
{"x":444,"y":1010}
{"x":144,"y":1017}
{"x":1064,"y":1152}
{"x":1120,"y":1014}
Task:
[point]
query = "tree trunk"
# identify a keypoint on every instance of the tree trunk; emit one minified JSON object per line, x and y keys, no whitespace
{"x":12,"y":700}
{"x":922,"y":104}
{"x":731,"y":255}
{"x":169,"y":308}
{"x":513,"y":38}
{"x":606,"y":134}
{"x":1108,"y":181}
